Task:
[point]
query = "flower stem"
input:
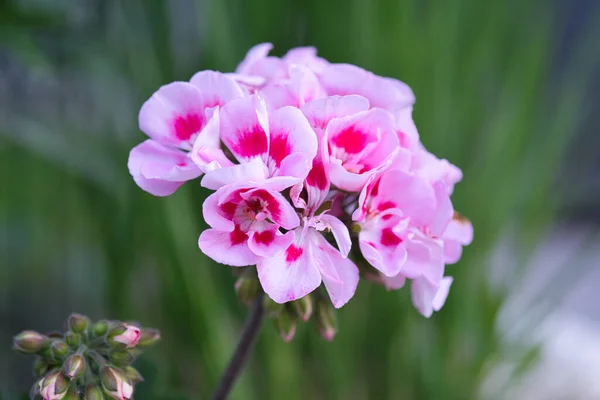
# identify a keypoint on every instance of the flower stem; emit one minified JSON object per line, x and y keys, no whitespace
{"x":251,"y":329}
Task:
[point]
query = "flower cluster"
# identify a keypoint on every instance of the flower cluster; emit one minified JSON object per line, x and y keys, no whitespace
{"x":90,"y":361}
{"x":316,"y":167}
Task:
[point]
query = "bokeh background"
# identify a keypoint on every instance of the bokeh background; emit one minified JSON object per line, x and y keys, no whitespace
{"x":507,"y":90}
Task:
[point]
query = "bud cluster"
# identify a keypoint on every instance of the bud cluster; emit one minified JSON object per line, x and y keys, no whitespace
{"x":287,"y":315}
{"x":89,"y":361}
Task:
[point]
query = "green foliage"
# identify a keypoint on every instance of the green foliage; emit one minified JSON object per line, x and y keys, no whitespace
{"x":489,"y":98}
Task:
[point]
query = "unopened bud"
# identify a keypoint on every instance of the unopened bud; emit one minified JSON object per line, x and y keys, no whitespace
{"x":285,"y":323}
{"x":115,"y":383}
{"x":247,"y":286}
{"x":78,"y":323}
{"x":133,"y":375}
{"x":127,"y":335}
{"x":149,"y":337}
{"x":54,"y":386}
{"x":29,"y":342}
{"x":271,"y":308}
{"x":59,"y":349}
{"x":326,"y":321}
{"x":304,"y":307}
{"x":74,"y":366}
{"x":73,"y":339}
{"x":93,"y":392}
{"x":40,"y":367}
{"x":121,"y":358}
{"x":100,"y":328}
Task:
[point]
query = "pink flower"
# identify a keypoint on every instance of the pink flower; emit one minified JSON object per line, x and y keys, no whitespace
{"x":402,"y":219}
{"x":310,"y":259}
{"x":259,"y":69}
{"x":272,"y":148}
{"x":130,"y":337}
{"x":245,"y":223}
{"x":174,"y":118}
{"x":387,"y":93}
{"x":458,"y":233}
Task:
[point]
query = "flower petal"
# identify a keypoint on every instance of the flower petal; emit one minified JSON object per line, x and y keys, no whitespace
{"x":217,"y":88}
{"x":174,"y":114}
{"x":386,"y":93}
{"x":290,"y":134}
{"x":320,"y":112}
{"x":253,"y":171}
{"x":340,"y":233}
{"x":341,"y":284}
{"x":219,"y":215}
{"x":160,"y":170}
{"x":243,"y":129}
{"x":290,"y":274}
{"x":229,"y":248}
{"x":268,"y":242}
{"x":428,"y":297}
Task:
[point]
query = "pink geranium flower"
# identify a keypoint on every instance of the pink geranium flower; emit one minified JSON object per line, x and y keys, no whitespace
{"x":245,"y":224}
{"x":308,"y":159}
{"x":272,"y":149}
{"x":174,"y":118}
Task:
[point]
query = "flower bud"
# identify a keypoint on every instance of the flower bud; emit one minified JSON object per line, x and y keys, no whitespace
{"x":128,"y":335}
{"x":74,"y":366}
{"x":285,"y":323}
{"x":116,"y":384}
{"x":304,"y":307}
{"x":93,"y":392}
{"x":100,"y":328}
{"x":54,"y":386}
{"x":326,"y":321}
{"x":133,"y":375}
{"x":247,"y":286}
{"x":271,"y":308}
{"x":78,"y":323}
{"x":59,"y":349}
{"x":73,"y":339}
{"x":40,"y":367}
{"x":29,"y":342}
{"x":121,"y":358}
{"x":149,"y":337}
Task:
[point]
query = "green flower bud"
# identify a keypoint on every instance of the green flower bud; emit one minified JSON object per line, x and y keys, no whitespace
{"x":149,"y":337}
{"x":304,"y":307}
{"x":121,"y":357}
{"x":247,"y":286}
{"x":326,"y":321}
{"x":100,"y":328}
{"x":59,"y":349}
{"x":285,"y":323}
{"x":115,"y":383}
{"x":40,"y":367}
{"x":271,"y":308}
{"x":93,"y":392}
{"x":54,"y":386}
{"x":133,"y":375}
{"x":30,"y":342}
{"x":78,"y":323}
{"x":73,"y":339}
{"x":74,"y":367}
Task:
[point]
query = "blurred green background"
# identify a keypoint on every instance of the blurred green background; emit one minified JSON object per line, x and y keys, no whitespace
{"x":506,"y":90}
